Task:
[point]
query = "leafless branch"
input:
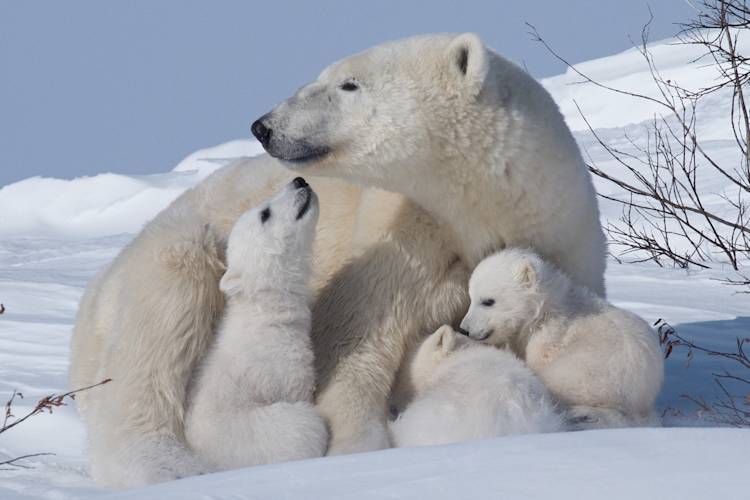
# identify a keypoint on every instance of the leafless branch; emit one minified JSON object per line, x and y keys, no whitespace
{"x":665,"y":215}
{"x":729,"y":409}
{"x":47,"y":403}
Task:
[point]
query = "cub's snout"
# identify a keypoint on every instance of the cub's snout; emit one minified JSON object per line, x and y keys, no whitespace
{"x":304,"y":197}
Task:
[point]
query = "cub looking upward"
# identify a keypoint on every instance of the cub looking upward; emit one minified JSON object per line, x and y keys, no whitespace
{"x":251,"y":401}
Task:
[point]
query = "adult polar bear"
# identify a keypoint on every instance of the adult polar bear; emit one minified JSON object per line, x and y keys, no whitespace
{"x":480,"y":158}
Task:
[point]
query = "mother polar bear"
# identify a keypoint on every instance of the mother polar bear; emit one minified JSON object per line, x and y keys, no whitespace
{"x":428,"y":154}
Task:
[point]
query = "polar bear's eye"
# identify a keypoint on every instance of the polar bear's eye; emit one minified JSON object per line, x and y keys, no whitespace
{"x":349,"y":86}
{"x":488,"y":302}
{"x":265,"y":214}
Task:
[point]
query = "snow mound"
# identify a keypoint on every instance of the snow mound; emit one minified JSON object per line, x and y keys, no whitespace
{"x":105,"y":204}
{"x":628,"y":71}
{"x":209,"y":159}
{"x":615,"y":464}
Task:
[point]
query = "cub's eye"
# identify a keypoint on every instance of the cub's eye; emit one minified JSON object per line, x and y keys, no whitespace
{"x":349,"y":86}
{"x":488,"y":302}
{"x":265,"y":214}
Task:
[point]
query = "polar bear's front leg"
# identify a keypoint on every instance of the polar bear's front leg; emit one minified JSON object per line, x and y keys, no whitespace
{"x":353,"y":401}
{"x":402,"y":287}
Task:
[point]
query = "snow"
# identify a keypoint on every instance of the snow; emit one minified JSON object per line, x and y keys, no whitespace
{"x":614,"y":464}
{"x":108,"y":203}
{"x":628,"y":71}
{"x":56,"y":234}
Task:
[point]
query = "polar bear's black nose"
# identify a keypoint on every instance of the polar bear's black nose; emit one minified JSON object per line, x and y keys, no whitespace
{"x":299,"y":183}
{"x":261,"y":132}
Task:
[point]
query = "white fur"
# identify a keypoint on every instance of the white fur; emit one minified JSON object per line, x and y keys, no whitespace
{"x":604,"y":363}
{"x":465,"y":390}
{"x":468,"y":162}
{"x":251,"y":402}
{"x":480,"y":146}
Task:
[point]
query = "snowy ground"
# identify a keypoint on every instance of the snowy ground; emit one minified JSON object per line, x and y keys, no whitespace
{"x":55,"y":235}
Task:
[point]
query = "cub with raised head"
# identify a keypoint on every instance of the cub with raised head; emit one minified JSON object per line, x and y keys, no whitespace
{"x":251,"y":401}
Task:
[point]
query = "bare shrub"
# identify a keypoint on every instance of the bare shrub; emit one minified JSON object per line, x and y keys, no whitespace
{"x":46,"y":404}
{"x":666,"y":217}
{"x":728,"y":409}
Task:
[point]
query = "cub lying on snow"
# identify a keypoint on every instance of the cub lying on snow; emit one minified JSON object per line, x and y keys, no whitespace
{"x":250,"y":402}
{"x":603,"y":363}
{"x":466,"y":390}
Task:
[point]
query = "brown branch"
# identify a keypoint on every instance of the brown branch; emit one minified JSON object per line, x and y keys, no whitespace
{"x":12,"y":461}
{"x":47,"y":403}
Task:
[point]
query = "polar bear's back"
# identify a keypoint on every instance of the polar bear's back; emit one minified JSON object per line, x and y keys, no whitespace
{"x":478,"y":392}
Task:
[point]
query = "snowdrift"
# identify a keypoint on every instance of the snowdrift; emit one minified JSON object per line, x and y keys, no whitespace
{"x":105,"y":204}
{"x":616,"y":464}
{"x":628,"y":71}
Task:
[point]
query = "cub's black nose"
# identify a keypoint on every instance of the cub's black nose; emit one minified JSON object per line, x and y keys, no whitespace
{"x":299,"y":183}
{"x":261,"y":132}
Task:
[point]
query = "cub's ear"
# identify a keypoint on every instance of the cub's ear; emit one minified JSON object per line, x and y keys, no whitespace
{"x":527,"y":274}
{"x":468,"y":62}
{"x":230,"y":283}
{"x":446,"y":341}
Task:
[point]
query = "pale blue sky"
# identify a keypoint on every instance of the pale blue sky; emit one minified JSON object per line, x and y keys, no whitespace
{"x":134,"y":86}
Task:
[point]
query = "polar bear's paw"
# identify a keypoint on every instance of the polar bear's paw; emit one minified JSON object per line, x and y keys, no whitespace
{"x":368,"y":436}
{"x":163,"y":459}
{"x":580,"y":418}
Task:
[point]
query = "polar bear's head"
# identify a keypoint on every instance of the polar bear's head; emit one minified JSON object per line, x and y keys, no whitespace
{"x":391,"y":115}
{"x":270,"y":246}
{"x":508,"y":291}
{"x":433,"y":351}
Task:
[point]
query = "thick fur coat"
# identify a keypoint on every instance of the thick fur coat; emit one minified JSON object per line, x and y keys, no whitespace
{"x":603,"y":363}
{"x":428,"y":154}
{"x":465,"y":390}
{"x":251,"y":401}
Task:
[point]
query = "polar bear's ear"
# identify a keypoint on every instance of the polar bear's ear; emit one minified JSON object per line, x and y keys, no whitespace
{"x":446,"y":341}
{"x":230,"y":283}
{"x":468,"y":62}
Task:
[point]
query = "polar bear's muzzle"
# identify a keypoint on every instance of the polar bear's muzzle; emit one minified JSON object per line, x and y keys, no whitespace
{"x":282,"y":147}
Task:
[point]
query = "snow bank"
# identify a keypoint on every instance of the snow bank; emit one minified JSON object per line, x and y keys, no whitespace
{"x":628,"y":71}
{"x":616,"y":464}
{"x":207,"y":160}
{"x":105,"y":204}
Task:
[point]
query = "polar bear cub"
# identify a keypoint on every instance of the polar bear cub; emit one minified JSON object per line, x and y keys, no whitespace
{"x":466,"y":390}
{"x":603,"y":363}
{"x":251,"y":399}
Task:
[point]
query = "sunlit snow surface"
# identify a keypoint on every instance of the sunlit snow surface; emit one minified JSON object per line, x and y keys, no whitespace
{"x":56,"y":234}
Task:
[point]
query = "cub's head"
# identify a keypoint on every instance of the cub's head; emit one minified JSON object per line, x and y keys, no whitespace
{"x":432,"y":352}
{"x":385,"y":115}
{"x":271,"y":244}
{"x":506,"y":295}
